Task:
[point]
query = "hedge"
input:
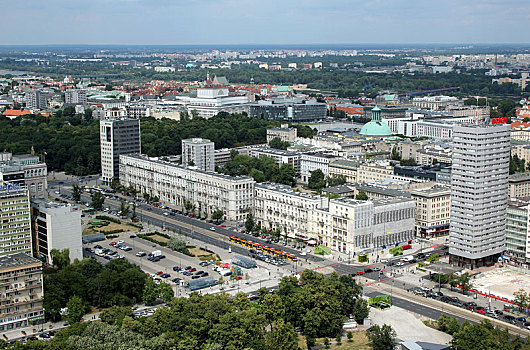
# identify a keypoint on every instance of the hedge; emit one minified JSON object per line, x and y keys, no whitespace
{"x":108,"y":218}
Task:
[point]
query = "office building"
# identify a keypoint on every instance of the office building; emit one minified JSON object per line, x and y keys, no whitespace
{"x":519,"y":185}
{"x":179,"y":186}
{"x":56,"y":226}
{"x":36,"y":100}
{"x":284,"y":133}
{"x":222,"y":156}
{"x":75,"y":96}
{"x":117,"y":137}
{"x":433,"y":211}
{"x":518,"y":233}
{"x":211,"y":100}
{"x":312,"y":161}
{"x":21,"y":291}
{"x":479,"y":193}
{"x":28,"y":170}
{"x":15,"y":230}
{"x":374,"y":172}
{"x":294,"y":110}
{"x":199,"y":152}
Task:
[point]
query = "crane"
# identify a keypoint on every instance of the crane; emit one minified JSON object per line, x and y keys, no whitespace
{"x":364,"y":92}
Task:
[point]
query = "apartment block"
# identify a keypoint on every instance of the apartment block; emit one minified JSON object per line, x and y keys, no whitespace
{"x":75,"y":96}
{"x":21,"y":291}
{"x":177,"y":185}
{"x":56,"y":226}
{"x":284,"y":133}
{"x":374,"y":172}
{"x":27,"y":170}
{"x":36,"y":100}
{"x":310,"y":162}
{"x":15,"y":229}
{"x":479,"y":193}
{"x":344,"y":167}
{"x":518,"y":233}
{"x":519,"y":185}
{"x":280,"y":156}
{"x":433,"y":211}
{"x":199,"y":152}
{"x":117,"y":137}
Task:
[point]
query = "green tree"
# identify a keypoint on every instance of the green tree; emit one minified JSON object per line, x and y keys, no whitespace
{"x":60,"y":259}
{"x":349,"y":335}
{"x":116,"y":314}
{"x":272,"y":308}
{"x":124,"y":209}
{"x":326,"y":343}
{"x":464,"y":281}
{"x":218,"y":215}
{"x":409,"y":162}
{"x":76,"y":309}
{"x":317,"y":180}
{"x":336,"y":180}
{"x":361,"y":310}
{"x":97,"y":200}
{"x":475,"y":337}
{"x":177,"y":245}
{"x":150,"y":291}
{"x":115,"y":184}
{"x":287,"y":175}
{"x":395,"y":154}
{"x":165,"y":292}
{"x":448,"y":324}
{"x":362,"y":196}
{"x":133,"y":213}
{"x":277,"y":143}
{"x":521,"y":299}
{"x":76,"y":193}
{"x":338,"y":339}
{"x":282,"y":336}
{"x":382,"y":337}
{"x":249,"y":223}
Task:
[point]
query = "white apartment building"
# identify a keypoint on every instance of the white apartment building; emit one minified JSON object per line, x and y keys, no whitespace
{"x":436,"y":102}
{"x":479,"y":193}
{"x":199,"y":152}
{"x":212,"y":100}
{"x":519,"y":185}
{"x":284,"y":133}
{"x":56,"y":226}
{"x":28,"y":170}
{"x":117,"y":136}
{"x":310,"y":162}
{"x":176,"y":185}
{"x":75,"y":96}
{"x":277,"y":206}
{"x":15,"y":229}
{"x":437,"y":130}
{"x":374,"y":172}
{"x":280,"y":156}
{"x":36,"y":100}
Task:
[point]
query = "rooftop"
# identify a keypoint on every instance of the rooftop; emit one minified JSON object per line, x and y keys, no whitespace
{"x":197,"y":141}
{"x":17,"y":260}
{"x":345,"y":163}
{"x":519,"y":177}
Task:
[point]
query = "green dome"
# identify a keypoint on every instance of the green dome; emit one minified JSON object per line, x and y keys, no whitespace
{"x":376,"y":128}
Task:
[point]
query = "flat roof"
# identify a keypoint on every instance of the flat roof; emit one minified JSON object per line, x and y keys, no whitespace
{"x":17,"y":260}
{"x":519,"y":177}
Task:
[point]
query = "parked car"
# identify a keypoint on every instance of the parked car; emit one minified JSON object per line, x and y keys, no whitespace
{"x":159,"y":273}
{"x":195,"y":277}
{"x":165,"y":275}
{"x":368,"y":270}
{"x":480,"y":310}
{"x":177,"y":268}
{"x":521,"y":319}
{"x":192,"y":269}
{"x":141,"y":254}
{"x":360,"y":273}
{"x":176,"y":280}
{"x":187,"y":268}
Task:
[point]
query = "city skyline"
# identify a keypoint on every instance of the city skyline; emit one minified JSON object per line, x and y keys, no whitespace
{"x":137,"y":22}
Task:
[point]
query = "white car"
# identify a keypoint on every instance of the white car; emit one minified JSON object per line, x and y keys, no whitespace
{"x":212,"y":228}
{"x":140,"y":254}
{"x":120,"y":242}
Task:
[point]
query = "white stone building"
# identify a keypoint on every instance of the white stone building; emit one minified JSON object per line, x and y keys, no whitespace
{"x":199,"y":152}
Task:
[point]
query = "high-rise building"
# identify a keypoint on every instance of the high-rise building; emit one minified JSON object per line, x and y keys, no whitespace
{"x":199,"y":152}
{"x":479,"y":193}
{"x":21,"y":291}
{"x":25,"y":169}
{"x":56,"y":226}
{"x":15,"y":230}
{"x":117,"y":136}
{"x":75,"y":96}
{"x":36,"y":99}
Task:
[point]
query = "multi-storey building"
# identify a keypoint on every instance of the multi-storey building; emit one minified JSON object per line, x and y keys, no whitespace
{"x":284,"y":133}
{"x":75,"y":96}
{"x":15,"y":229}
{"x":279,"y":156}
{"x":522,"y":152}
{"x":344,"y":167}
{"x":351,"y":225}
{"x":433,"y":211}
{"x":374,"y":172}
{"x":56,"y":226}
{"x":519,"y":185}
{"x":437,"y":102}
{"x":178,"y":185}
{"x":518,"y":232}
{"x":430,"y":155}
{"x":277,"y":206}
{"x":21,"y":291}
{"x":479,"y":193}
{"x":310,"y":162}
{"x":222,"y":156}
{"x":209,"y":101}
{"x":36,"y":100}
{"x":117,"y":136}
{"x":199,"y":152}
{"x":292,"y":110}
{"x":28,"y":170}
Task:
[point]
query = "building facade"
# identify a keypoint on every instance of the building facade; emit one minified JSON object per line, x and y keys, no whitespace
{"x":75,"y":96}
{"x":433,"y":211}
{"x":374,"y":172}
{"x":291,"y":110}
{"x":27,"y":170}
{"x":56,"y":226}
{"x":279,"y":156}
{"x":519,"y":185}
{"x":21,"y":291}
{"x":344,"y":167}
{"x":518,"y":233}
{"x":284,"y":133}
{"x":479,"y":193}
{"x":199,"y":152}
{"x":203,"y":192}
{"x":15,"y":230}
{"x":312,"y":161}
{"x":36,"y":100}
{"x":117,"y":136}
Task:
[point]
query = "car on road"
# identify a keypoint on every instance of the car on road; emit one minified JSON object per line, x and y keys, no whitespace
{"x":222,"y":225}
{"x":360,"y":273}
{"x":509,"y":318}
{"x":498,"y":312}
{"x":200,"y":272}
{"x":492,"y":314}
{"x":177,"y":268}
{"x":368,"y":270}
{"x":204,"y":263}
{"x":480,"y":310}
{"x":141,"y":254}
{"x":192,"y":269}
{"x":212,"y":228}
{"x":521,"y":319}
{"x":186,"y":273}
{"x":204,"y":274}
{"x":195,"y":277}
{"x":159,"y":273}
{"x":165,"y":275}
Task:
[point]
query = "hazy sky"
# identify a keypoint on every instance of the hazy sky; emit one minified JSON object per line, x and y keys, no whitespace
{"x":263,"y":22}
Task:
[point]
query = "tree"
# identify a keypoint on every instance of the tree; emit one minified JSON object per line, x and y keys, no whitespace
{"x":287,"y":175}
{"x":76,"y":192}
{"x":448,"y":324}
{"x":150,"y":291}
{"x":116,"y":314}
{"x":465,"y":282}
{"x":177,"y":245}
{"x":317,"y":180}
{"x":165,"y":292}
{"x":272,"y":308}
{"x":249,"y":223}
{"x":336,"y":180}
{"x":133,"y":214}
{"x":60,"y":259}
{"x":277,"y":143}
{"x":360,"y":310}
{"x":115,"y":184}
{"x":522,"y":299}
{"x":124,"y":209}
{"x":76,"y":309}
{"x":310,"y":341}
{"x":409,"y":162}
{"x":362,"y":196}
{"x":395,"y":154}
{"x":475,"y":337}
{"x":217,"y":215}
{"x":338,"y":339}
{"x":282,"y":336}
{"x":382,"y":337}
{"x":97,"y":200}
{"x":349,"y":334}
{"x":326,"y":343}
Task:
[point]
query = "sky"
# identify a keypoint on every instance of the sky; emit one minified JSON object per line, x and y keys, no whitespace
{"x":229,"y":22}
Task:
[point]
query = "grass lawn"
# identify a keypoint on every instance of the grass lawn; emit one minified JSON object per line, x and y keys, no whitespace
{"x":160,"y":238}
{"x":110,"y":227}
{"x":359,"y":342}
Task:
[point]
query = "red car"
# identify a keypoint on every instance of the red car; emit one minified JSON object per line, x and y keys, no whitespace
{"x":113,"y":244}
{"x":407,"y":246}
{"x":222,"y":225}
{"x":480,"y":310}
{"x":192,"y":269}
{"x":360,"y":272}
{"x":159,"y":273}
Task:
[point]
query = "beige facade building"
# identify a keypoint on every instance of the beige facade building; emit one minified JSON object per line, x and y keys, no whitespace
{"x":433,"y":211}
{"x":284,"y":133}
{"x":522,"y":151}
{"x":519,"y":185}
{"x":344,"y":167}
{"x":520,"y":133}
{"x":21,"y":291}
{"x":374,"y":172}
